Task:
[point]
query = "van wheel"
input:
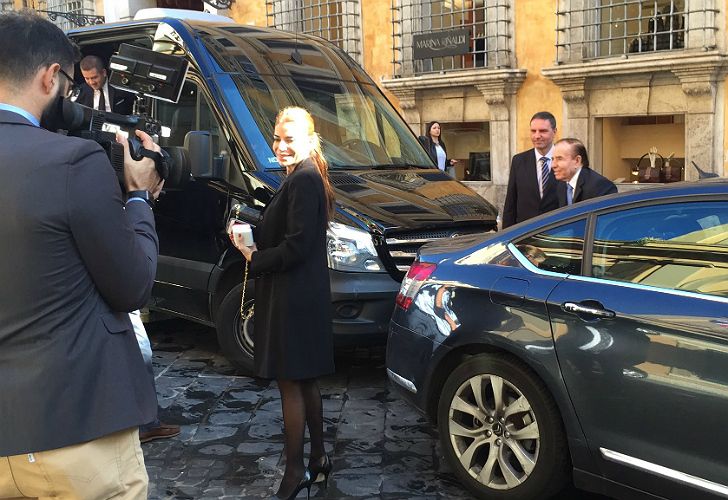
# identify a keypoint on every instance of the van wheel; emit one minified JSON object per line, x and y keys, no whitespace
{"x":500,"y":430}
{"x":235,"y":341}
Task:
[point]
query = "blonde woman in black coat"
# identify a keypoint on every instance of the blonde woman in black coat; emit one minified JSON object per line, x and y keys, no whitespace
{"x":293,"y":337}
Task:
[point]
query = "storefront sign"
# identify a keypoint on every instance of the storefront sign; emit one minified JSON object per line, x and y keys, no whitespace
{"x":441,"y":43}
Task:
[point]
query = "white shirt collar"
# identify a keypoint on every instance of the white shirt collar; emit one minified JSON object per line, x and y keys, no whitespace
{"x":105,"y":90}
{"x":549,"y":154}
{"x":574,"y":179}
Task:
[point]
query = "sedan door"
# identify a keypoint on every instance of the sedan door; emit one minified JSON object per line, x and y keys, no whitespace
{"x":643,"y":347}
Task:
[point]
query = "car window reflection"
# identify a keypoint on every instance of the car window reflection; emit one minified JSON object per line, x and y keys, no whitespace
{"x":681,"y":246}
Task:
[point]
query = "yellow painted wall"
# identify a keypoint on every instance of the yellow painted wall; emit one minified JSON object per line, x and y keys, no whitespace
{"x":535,"y":37}
{"x":249,"y":12}
{"x":725,"y":119}
{"x":377,"y":35}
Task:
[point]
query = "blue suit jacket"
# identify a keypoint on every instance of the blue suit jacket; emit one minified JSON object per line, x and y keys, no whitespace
{"x":73,"y":262}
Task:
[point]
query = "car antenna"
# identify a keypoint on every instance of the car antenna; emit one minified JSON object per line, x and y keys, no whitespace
{"x":296,"y":55}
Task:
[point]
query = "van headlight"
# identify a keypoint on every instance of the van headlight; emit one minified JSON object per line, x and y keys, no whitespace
{"x":350,"y":249}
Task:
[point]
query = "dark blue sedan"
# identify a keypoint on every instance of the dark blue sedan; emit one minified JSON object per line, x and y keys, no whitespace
{"x":589,"y":344}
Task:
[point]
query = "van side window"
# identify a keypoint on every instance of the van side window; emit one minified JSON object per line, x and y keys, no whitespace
{"x":192,"y":112}
{"x":682,"y":246}
{"x":559,"y":249}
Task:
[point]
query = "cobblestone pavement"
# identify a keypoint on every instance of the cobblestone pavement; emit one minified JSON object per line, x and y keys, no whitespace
{"x":231,"y":440}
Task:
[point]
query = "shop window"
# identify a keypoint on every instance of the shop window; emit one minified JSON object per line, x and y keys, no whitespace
{"x":642,"y":149}
{"x":469,"y":144}
{"x":338,"y":21}
{"x":589,"y":29}
{"x":681,"y":246}
{"x":471,"y":34}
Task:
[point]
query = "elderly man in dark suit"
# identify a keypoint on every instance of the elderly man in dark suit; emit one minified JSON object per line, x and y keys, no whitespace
{"x":75,"y":259}
{"x":97,"y":93}
{"x":531,"y":187}
{"x":579,"y":182}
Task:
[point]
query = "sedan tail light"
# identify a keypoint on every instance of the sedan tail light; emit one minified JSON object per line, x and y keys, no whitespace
{"x":416,"y":276}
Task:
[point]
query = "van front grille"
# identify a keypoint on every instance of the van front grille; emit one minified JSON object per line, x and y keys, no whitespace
{"x":401,"y":247}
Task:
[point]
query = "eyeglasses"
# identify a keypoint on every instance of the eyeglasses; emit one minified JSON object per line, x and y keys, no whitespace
{"x":74,"y":88}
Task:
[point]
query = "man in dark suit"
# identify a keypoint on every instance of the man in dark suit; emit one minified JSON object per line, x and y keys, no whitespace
{"x":97,"y":93}
{"x":579,"y":182}
{"x":75,"y":260}
{"x":531,"y":187}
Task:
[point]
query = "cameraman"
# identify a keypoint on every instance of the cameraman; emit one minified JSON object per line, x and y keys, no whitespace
{"x":75,"y":259}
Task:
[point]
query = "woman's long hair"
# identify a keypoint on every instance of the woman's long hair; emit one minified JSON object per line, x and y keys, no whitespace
{"x":296,"y":114}
{"x":429,"y":135}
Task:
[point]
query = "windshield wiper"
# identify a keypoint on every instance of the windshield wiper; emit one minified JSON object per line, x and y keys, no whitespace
{"x":396,"y":165}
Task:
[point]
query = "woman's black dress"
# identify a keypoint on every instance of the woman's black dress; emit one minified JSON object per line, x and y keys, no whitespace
{"x":292,"y":333}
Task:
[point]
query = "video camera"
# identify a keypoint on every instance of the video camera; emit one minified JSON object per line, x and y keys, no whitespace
{"x":147,"y":74}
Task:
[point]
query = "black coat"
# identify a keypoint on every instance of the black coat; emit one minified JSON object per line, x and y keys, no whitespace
{"x":121,"y":102}
{"x":73,"y":262}
{"x":430,"y":147}
{"x":523,"y":198}
{"x":292,"y":332}
{"x":589,"y":185}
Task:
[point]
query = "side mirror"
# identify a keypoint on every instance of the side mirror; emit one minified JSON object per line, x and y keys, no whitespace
{"x":203,"y":165}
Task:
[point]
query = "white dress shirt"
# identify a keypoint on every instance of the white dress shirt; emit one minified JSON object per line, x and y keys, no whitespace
{"x":548,"y":155}
{"x":97,"y":96}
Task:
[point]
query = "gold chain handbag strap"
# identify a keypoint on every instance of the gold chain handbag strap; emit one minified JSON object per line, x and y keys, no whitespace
{"x":243,"y":315}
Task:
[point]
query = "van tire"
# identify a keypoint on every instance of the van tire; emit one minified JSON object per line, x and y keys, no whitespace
{"x":236,"y":345}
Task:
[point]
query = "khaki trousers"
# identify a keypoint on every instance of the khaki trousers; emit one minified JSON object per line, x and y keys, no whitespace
{"x":110,"y":467}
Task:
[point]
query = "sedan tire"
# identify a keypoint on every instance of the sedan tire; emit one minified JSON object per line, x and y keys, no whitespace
{"x":501,"y":432}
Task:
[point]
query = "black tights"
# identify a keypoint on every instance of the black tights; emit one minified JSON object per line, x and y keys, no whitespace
{"x":301,"y":403}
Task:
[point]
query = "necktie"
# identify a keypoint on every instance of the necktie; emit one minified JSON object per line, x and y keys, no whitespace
{"x":102,"y":101}
{"x":545,"y":173}
{"x":569,"y":194}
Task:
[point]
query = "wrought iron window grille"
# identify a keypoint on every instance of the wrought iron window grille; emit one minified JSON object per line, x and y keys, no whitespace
{"x":487,"y":21}
{"x":338,"y":21}
{"x":78,"y":19}
{"x":593,"y":29}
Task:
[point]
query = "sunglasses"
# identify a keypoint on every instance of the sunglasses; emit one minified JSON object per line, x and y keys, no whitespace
{"x":74,"y":88}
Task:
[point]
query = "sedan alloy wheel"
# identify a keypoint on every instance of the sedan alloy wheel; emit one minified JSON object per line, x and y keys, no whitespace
{"x":501,"y":431}
{"x":494,"y":432}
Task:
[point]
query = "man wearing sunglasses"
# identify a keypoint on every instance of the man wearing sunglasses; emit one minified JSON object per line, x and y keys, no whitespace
{"x":75,"y":260}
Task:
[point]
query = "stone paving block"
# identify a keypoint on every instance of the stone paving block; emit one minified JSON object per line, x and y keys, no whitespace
{"x":357,"y":485}
{"x":346,"y":447}
{"x":413,"y":484}
{"x":234,"y":417}
{"x":213,"y":433}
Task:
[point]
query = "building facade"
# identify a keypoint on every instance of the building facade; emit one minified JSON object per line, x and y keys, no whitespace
{"x":641,"y":82}
{"x":627,"y":77}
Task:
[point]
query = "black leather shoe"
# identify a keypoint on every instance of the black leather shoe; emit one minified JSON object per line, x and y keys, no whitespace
{"x":305,"y":482}
{"x":320,"y":470}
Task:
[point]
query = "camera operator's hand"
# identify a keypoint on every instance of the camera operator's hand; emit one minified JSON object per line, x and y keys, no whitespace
{"x":141,"y":175}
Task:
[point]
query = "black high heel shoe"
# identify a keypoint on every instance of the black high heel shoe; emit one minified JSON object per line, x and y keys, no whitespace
{"x":305,"y":482}
{"x":320,"y":470}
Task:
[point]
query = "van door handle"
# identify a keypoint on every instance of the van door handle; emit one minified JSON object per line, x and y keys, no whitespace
{"x":572,"y":307}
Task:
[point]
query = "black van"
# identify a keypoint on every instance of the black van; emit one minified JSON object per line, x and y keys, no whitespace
{"x":390,"y":198}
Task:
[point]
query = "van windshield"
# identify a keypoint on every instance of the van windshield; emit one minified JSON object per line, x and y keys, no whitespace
{"x":357,"y":125}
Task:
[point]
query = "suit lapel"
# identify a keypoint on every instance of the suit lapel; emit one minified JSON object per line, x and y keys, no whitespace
{"x":580,"y":183}
{"x":532,"y":176}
